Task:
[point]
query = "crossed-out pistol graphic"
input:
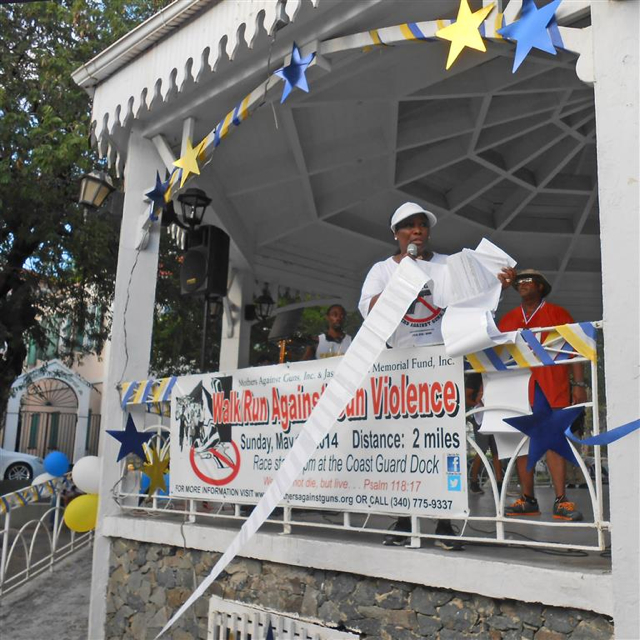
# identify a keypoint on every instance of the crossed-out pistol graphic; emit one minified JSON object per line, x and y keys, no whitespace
{"x":421,"y":312}
{"x":214,"y":456}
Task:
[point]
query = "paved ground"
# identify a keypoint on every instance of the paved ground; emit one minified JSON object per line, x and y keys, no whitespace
{"x":54,"y":605}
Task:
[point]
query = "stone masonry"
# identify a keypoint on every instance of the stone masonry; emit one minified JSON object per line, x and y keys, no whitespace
{"x":149,"y":582}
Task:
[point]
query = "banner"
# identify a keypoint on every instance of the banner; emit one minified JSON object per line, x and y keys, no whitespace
{"x":399,"y":446}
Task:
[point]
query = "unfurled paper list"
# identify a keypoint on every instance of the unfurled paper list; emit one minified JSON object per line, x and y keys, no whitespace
{"x":365,"y":349}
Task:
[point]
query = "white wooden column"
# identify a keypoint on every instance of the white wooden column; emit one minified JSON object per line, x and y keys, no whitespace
{"x":11,"y":423}
{"x":80,"y":438}
{"x":135,"y":294}
{"x":615,"y":46}
{"x":236,"y":331}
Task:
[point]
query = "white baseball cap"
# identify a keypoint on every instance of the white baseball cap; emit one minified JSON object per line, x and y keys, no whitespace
{"x":409,"y":209}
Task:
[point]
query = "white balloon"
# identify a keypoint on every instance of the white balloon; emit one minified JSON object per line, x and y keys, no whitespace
{"x":86,"y":474}
{"x":42,"y":478}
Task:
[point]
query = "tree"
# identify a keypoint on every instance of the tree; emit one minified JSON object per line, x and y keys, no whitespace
{"x":55,"y":263}
{"x":177,"y":322}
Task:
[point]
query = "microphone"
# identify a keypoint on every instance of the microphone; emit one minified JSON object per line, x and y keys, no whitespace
{"x":412,"y":250}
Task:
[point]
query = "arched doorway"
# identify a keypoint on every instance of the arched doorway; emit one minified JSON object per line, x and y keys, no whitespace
{"x":51,"y":409}
{"x":48,"y":418}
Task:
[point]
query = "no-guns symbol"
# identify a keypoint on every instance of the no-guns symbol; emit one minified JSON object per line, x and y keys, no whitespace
{"x":217,"y":466}
{"x":421,"y":311}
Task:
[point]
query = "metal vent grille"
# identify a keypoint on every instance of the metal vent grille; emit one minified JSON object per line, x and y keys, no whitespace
{"x":235,"y":621}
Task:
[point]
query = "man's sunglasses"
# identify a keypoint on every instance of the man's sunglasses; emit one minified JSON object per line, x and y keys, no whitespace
{"x":520,"y":281}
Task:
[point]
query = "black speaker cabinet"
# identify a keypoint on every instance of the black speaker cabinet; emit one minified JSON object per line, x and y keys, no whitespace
{"x":205,"y":268}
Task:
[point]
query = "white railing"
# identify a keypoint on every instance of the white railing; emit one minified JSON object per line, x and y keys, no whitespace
{"x":241,"y":621}
{"x":38,"y":544}
{"x":376,"y":522}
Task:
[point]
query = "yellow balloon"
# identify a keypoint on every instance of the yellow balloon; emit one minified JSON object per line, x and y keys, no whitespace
{"x":81,"y":513}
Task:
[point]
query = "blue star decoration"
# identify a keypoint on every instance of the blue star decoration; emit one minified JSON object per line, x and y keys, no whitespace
{"x":546,"y":428}
{"x":294,"y":73}
{"x":269,"y":635}
{"x":131,"y":440}
{"x":156,"y":195}
{"x":531,"y":30}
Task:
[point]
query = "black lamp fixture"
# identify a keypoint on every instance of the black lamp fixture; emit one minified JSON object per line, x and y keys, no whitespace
{"x":216,"y":307}
{"x":95,"y":188}
{"x":193,"y":203}
{"x":262,"y":306}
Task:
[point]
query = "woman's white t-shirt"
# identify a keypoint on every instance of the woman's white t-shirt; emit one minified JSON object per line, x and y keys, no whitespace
{"x":422,"y":324}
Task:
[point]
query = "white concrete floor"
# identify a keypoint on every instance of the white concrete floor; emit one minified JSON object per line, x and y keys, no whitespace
{"x":52,"y":605}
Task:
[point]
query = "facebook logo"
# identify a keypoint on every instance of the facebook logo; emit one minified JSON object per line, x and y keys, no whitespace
{"x":454,"y":483}
{"x":453,"y":463}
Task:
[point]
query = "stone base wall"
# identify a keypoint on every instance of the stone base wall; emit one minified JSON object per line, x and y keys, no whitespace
{"x":149,"y":582}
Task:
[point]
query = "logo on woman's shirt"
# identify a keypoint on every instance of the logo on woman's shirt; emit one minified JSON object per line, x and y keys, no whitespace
{"x":422,"y":313}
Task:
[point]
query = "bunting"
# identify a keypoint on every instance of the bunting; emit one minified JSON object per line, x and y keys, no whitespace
{"x":552,"y":347}
{"x":27,"y":496}
{"x":151,"y":392}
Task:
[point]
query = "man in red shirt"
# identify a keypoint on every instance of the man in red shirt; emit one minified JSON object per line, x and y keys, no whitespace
{"x":536,"y":312}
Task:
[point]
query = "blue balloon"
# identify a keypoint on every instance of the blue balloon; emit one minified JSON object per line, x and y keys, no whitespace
{"x":56,"y":463}
{"x":166,"y":482}
{"x":145,"y":481}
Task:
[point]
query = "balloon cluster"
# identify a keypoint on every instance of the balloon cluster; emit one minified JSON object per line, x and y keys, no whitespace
{"x":81,"y":513}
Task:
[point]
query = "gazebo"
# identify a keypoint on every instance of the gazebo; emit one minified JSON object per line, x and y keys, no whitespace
{"x":541,"y":160}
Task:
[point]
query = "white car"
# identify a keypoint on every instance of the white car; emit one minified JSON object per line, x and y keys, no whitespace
{"x":15,"y":465}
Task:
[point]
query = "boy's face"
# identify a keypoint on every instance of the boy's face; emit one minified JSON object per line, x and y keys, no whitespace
{"x":335,"y":318}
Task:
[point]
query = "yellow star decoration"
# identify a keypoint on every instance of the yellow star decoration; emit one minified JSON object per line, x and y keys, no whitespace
{"x":156,"y":470}
{"x":464,"y":32}
{"x":189,"y":161}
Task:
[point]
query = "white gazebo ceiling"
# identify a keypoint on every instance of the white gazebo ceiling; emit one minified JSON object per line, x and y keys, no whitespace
{"x":306,"y":188}
{"x":510,"y":157}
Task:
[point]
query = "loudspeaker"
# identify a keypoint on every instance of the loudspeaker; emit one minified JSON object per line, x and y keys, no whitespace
{"x":205,"y":268}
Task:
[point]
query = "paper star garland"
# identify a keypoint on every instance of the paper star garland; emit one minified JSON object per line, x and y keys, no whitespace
{"x":269,"y":635}
{"x":156,"y":195}
{"x":131,"y":440}
{"x":545,"y":428}
{"x":294,"y":73}
{"x":465,"y":31}
{"x":189,"y":161}
{"x":531,"y":30}
{"x":156,"y":469}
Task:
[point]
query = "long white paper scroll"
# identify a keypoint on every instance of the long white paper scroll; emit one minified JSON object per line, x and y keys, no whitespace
{"x":471,"y":294}
{"x":367,"y":346}
{"x":467,"y":285}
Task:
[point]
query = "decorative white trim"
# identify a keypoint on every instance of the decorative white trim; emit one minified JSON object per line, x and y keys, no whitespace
{"x":137,"y":72}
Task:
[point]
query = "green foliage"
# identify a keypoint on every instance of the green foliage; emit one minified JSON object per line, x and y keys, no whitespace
{"x":55,"y":266}
{"x":312,"y":323}
{"x":177,"y":323}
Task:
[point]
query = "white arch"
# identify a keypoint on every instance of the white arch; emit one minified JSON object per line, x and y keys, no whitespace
{"x":52,"y":370}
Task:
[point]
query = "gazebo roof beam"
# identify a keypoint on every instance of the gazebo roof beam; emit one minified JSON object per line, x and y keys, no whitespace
{"x":481,"y":80}
{"x":416,"y":130}
{"x":563,"y":154}
{"x":291,"y":132}
{"x":582,"y":219}
{"x":230,"y":220}
{"x":565,"y":183}
{"x":418,"y":163}
{"x":467,"y":191}
{"x":350,"y":194}
{"x":511,"y":129}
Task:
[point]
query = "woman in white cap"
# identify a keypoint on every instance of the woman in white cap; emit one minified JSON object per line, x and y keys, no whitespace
{"x":411,"y":225}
